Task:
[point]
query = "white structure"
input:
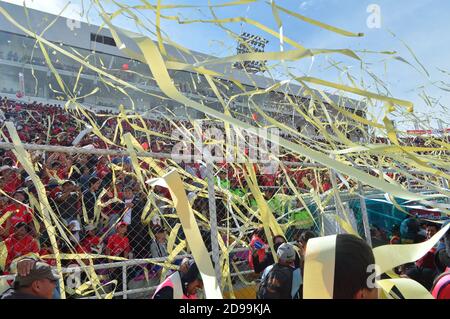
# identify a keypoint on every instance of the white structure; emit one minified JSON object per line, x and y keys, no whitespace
{"x":20,"y":54}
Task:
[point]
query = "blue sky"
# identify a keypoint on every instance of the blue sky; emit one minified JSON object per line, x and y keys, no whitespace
{"x":422,"y":24}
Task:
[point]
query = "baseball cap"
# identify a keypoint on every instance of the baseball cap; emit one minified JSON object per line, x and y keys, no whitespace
{"x":286,"y":252}
{"x":121,"y":224}
{"x":159,"y":229}
{"x":39,"y":271}
{"x":76,"y":225}
{"x":5,"y":168}
{"x":20,"y":224}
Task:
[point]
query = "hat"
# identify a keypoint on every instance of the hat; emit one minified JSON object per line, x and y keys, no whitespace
{"x":286,"y":252}
{"x":68,"y":181}
{"x":5,"y":167}
{"x":20,"y":224}
{"x":52,"y":183}
{"x":121,"y":224}
{"x":76,"y":224}
{"x":158,"y":229}
{"x":39,"y":271}
{"x":28,"y":179}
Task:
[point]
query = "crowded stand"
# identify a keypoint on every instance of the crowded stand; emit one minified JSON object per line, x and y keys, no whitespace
{"x":75,"y":182}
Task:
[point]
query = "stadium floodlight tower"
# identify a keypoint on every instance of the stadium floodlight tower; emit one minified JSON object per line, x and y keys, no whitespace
{"x":250,"y":43}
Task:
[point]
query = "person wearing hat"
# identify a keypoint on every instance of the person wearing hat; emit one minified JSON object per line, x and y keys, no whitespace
{"x":441,"y":285}
{"x":181,"y":285}
{"x":159,"y":245}
{"x":20,"y":243}
{"x":39,"y":283}
{"x":91,"y":242}
{"x":281,"y":280}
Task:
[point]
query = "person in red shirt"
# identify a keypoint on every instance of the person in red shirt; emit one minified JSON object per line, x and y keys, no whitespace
{"x":20,"y":243}
{"x":9,"y":179}
{"x":118,"y":244}
{"x":326,"y":185}
{"x":47,"y":249}
{"x":19,"y":212}
{"x":91,"y":241}
{"x":102,"y":167}
{"x":258,"y":243}
{"x":427,"y":261}
{"x":5,"y":226}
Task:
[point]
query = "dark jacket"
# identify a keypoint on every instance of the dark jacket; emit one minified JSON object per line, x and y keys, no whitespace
{"x":89,"y":201}
{"x":15,"y":294}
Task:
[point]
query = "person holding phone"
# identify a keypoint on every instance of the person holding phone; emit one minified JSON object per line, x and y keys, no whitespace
{"x":258,"y":243}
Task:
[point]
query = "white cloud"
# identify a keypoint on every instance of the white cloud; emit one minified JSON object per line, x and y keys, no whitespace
{"x":67,"y":9}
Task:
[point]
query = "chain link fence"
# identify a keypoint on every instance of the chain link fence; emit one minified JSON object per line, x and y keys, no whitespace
{"x":91,"y":201}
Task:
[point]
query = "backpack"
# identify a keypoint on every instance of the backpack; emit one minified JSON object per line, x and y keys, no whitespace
{"x":277,"y":284}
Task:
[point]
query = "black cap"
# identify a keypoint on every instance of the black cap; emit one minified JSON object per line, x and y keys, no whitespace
{"x":40,"y":271}
{"x":20,"y":224}
{"x":158,"y":229}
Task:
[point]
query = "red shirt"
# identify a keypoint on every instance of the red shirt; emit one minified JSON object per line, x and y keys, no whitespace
{"x":20,"y":214}
{"x":427,"y":261}
{"x":11,"y":186}
{"x":43,"y":252}
{"x":88,"y":242}
{"x":261,"y":252}
{"x":118,"y":245}
{"x":268,"y":180}
{"x":326,"y":186}
{"x":19,"y":247}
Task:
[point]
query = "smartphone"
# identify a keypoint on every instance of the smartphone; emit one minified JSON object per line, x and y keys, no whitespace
{"x":258,"y":245}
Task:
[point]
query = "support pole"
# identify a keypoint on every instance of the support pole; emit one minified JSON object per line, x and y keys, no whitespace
{"x":213,"y":222}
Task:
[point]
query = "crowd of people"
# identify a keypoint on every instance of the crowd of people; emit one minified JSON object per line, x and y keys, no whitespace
{"x":75,"y":185}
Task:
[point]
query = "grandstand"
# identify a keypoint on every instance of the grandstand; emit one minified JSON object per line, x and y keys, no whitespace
{"x":20,"y":54}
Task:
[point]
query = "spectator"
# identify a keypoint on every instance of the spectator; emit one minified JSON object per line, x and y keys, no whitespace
{"x":139,"y":237}
{"x":91,"y":242}
{"x":410,"y":231}
{"x":258,"y":242}
{"x":441,"y":285}
{"x":159,"y":245}
{"x":118,"y":244}
{"x":90,"y":197}
{"x":281,"y":280}
{"x":428,"y":260}
{"x":353,"y":257}
{"x":67,"y":201}
{"x":9,"y":179}
{"x":40,"y":283}
{"x":21,"y":212}
{"x":395,"y":237}
{"x":268,"y":258}
{"x":181,"y":285}
{"x":6,"y":225}
{"x":128,"y":200}
{"x":20,"y":243}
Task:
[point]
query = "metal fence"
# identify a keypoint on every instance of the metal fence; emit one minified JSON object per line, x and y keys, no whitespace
{"x":93,"y":201}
